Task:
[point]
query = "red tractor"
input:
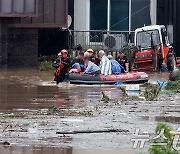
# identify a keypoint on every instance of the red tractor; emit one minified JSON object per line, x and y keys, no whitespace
{"x":153,"y":50}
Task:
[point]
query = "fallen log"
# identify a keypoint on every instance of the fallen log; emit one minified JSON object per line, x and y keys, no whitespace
{"x":93,"y":131}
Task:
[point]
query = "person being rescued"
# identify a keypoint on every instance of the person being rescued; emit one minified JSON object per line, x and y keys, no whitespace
{"x":123,"y":61}
{"x":62,"y":65}
{"x":91,"y":68}
{"x":105,"y":64}
{"x":116,"y":68}
{"x":94,"y":59}
{"x":78,"y":62}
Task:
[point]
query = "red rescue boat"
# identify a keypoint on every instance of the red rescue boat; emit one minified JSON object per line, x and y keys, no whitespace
{"x":131,"y":77}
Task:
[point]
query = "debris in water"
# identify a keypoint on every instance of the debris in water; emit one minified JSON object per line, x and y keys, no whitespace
{"x":93,"y":131}
{"x":105,"y":98}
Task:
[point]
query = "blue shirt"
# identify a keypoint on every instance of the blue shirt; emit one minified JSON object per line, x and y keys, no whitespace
{"x":91,"y":68}
{"x":115,"y":66}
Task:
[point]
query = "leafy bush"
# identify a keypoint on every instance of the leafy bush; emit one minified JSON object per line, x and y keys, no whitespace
{"x":45,"y":66}
{"x":45,"y":62}
{"x":167,"y":148}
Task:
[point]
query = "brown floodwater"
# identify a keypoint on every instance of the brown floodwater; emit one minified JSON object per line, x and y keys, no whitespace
{"x":16,"y":95}
{"x":31,"y":89}
{"x":23,"y":90}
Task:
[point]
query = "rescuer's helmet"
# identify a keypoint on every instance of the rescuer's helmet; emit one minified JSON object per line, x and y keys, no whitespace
{"x":63,"y":52}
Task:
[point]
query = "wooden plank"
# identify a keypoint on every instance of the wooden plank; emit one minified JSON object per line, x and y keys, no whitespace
{"x":30,"y":6}
{"x":6,"y":6}
{"x":40,"y":13}
{"x":60,"y":9}
{"x":52,"y":14}
{"x":36,"y":25}
{"x":49,"y":6}
{"x":18,"y":8}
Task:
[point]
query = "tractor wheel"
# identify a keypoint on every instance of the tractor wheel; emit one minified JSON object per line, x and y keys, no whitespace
{"x":171,"y":63}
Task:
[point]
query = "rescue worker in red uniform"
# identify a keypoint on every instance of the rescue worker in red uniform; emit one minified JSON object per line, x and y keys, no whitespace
{"x":62,"y":65}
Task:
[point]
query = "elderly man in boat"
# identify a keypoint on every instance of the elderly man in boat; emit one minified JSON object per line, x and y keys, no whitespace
{"x":105,"y":64}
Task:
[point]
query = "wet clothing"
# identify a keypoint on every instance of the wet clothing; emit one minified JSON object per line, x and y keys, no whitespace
{"x":115,"y":67}
{"x":92,"y":69}
{"x":105,"y":66}
{"x":67,"y":63}
{"x":62,"y":66}
{"x":80,"y":62}
{"x":122,"y":61}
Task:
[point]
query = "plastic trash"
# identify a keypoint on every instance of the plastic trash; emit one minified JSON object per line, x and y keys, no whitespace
{"x":133,"y":87}
{"x":119,"y":83}
{"x":162,"y":83}
{"x":33,"y":128}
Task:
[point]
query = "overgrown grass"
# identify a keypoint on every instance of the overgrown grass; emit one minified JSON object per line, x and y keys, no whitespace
{"x":151,"y":91}
{"x":45,"y":62}
{"x":167,"y":148}
{"x":174,"y":84}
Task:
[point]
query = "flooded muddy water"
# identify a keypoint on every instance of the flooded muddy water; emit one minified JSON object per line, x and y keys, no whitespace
{"x":15,"y":95}
{"x":31,"y":93}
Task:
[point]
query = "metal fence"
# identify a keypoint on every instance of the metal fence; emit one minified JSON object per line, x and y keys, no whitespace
{"x":98,"y":39}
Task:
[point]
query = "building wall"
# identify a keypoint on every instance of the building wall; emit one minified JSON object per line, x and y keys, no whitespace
{"x":3,"y":43}
{"x":18,"y":47}
{"x":22,"y":47}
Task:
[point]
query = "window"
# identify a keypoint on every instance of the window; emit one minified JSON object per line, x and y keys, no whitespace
{"x":119,"y":15}
{"x":98,"y":14}
{"x":140,"y":13}
{"x":146,"y":38}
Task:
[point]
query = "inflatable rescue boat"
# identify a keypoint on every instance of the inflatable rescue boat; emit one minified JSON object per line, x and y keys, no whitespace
{"x":132,"y":77}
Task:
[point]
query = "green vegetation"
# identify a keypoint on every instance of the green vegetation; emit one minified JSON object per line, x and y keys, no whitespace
{"x":173,"y":86}
{"x":53,"y":109}
{"x":45,"y":66}
{"x":125,"y":49}
{"x":105,"y":98}
{"x":151,"y":91}
{"x":167,"y":148}
{"x":11,"y":115}
{"x":45,"y":62}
